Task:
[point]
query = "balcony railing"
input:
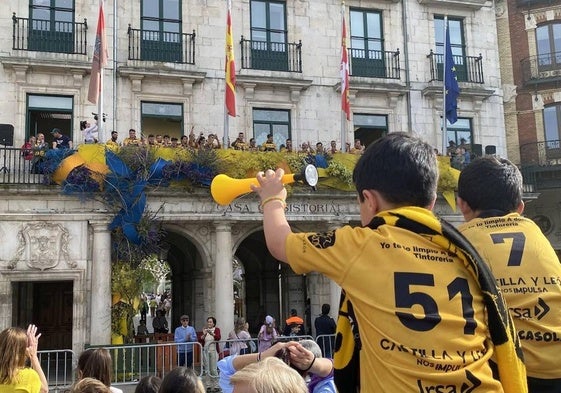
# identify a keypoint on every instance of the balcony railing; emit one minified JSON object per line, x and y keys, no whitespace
{"x":374,"y":63}
{"x":468,"y":68}
{"x":545,"y":153}
{"x":534,"y":3}
{"x":542,"y":68}
{"x":273,"y":56}
{"x":162,"y":46}
{"x":18,"y":166}
{"x":49,"y":36}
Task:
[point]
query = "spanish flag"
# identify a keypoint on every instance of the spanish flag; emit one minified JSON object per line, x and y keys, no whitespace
{"x":230,"y":98}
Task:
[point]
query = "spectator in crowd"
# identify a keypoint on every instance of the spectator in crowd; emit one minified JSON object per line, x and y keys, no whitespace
{"x":96,"y":363}
{"x":396,"y":180}
{"x":490,"y":199}
{"x":27,"y":152}
{"x":89,"y":385}
{"x":325,"y":326}
{"x":39,"y":151}
{"x":253,"y":145}
{"x":185,"y":334}
{"x":142,"y":330}
{"x":148,"y":384}
{"x":209,"y":340}
{"x":18,"y":346}
{"x":61,"y":141}
{"x":160,"y":323}
{"x":267,"y":334}
{"x":240,"y":335}
{"x":333,"y":148}
{"x":89,"y":131}
{"x":182,"y":380}
{"x":294,"y":325}
{"x":358,"y":147}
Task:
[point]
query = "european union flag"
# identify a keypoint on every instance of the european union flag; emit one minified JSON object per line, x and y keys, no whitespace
{"x":450,"y":82}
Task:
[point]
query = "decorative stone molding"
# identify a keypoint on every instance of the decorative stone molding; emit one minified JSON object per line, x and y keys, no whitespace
{"x":459,"y":4}
{"x":42,"y":245}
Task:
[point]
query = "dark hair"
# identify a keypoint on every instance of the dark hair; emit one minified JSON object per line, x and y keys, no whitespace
{"x":95,"y":363}
{"x":293,"y":311}
{"x":325,"y":308}
{"x":83,"y":125}
{"x":491,"y":183}
{"x":148,"y":384}
{"x":213,"y":320}
{"x":401,"y":167}
{"x":180,"y":380}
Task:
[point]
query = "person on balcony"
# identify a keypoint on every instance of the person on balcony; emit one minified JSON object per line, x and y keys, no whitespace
{"x":61,"y":141}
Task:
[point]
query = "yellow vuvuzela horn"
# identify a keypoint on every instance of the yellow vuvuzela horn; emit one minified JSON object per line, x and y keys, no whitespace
{"x":225,"y":189}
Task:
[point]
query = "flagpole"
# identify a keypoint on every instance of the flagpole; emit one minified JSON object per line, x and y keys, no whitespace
{"x":100,"y":129}
{"x":444,"y":125}
{"x":344,"y":81}
{"x":229,"y":78}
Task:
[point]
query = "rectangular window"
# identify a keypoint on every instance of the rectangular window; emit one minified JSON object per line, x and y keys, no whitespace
{"x":51,"y":27}
{"x":47,"y":112}
{"x":162,"y":118}
{"x":456,"y":28}
{"x":552,"y":126}
{"x":161,"y":30}
{"x":271,"y":121}
{"x":269,"y":35}
{"x":548,"y":39}
{"x":369,"y":128}
{"x":367,"y":43}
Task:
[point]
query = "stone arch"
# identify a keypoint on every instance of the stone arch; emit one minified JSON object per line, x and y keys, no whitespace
{"x":187,"y":254}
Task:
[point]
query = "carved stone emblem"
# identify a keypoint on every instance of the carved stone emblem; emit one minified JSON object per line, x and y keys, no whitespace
{"x":42,"y":245}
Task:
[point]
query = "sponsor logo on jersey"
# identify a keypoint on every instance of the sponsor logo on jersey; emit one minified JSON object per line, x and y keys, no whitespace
{"x":538,"y":311}
{"x":469,"y":386}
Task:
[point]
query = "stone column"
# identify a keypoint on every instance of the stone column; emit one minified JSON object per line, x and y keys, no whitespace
{"x":334,"y":288}
{"x":223,"y":281}
{"x":100,"y":301}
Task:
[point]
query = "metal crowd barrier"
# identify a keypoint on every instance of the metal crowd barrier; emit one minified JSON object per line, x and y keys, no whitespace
{"x":327,"y":344}
{"x":58,"y":366}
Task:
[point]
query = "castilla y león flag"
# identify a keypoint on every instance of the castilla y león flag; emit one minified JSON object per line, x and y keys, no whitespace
{"x":99,"y":58}
{"x":230,"y":95}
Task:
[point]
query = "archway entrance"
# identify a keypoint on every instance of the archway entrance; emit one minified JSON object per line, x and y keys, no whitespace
{"x":271,"y":287}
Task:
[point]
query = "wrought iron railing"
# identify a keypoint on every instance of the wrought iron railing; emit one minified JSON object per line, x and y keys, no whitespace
{"x":468,"y":68}
{"x":273,"y":56}
{"x":544,"y":153}
{"x":374,"y":63}
{"x":49,"y":36}
{"x":534,"y":3}
{"x":542,"y":68}
{"x":162,"y":46}
{"x":19,"y":166}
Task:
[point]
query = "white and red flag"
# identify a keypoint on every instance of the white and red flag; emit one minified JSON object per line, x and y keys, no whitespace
{"x":99,"y":58}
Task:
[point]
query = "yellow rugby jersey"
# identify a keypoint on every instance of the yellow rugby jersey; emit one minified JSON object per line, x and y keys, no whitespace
{"x":420,"y":312}
{"x":529,"y":274}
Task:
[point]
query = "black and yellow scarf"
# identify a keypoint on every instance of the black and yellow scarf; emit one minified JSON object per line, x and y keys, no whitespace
{"x":508,"y":353}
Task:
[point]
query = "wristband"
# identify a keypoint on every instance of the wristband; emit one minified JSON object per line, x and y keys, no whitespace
{"x":271,"y":199}
{"x":311,"y":364}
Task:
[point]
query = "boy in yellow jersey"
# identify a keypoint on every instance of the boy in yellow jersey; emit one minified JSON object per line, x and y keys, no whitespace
{"x":413,"y":309}
{"x":522,"y":260}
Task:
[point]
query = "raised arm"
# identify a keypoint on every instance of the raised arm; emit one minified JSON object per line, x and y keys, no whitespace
{"x":273,"y":197}
{"x":32,"y":344}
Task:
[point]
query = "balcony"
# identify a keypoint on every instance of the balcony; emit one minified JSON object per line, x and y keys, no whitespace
{"x":541,"y":164}
{"x":49,"y":36}
{"x":535,"y":3}
{"x":468,"y":68}
{"x":272,"y":56}
{"x":374,"y":63}
{"x":541,"y":69}
{"x":458,"y":4}
{"x":19,"y":167}
{"x":161,"y":46}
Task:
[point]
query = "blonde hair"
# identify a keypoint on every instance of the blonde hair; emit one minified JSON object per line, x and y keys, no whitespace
{"x":13,"y":346}
{"x":271,"y":375}
{"x":240,"y":324}
{"x":90,"y":385}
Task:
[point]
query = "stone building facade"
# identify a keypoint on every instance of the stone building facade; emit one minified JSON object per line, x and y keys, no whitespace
{"x":166,"y":75}
{"x":529,"y":34}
